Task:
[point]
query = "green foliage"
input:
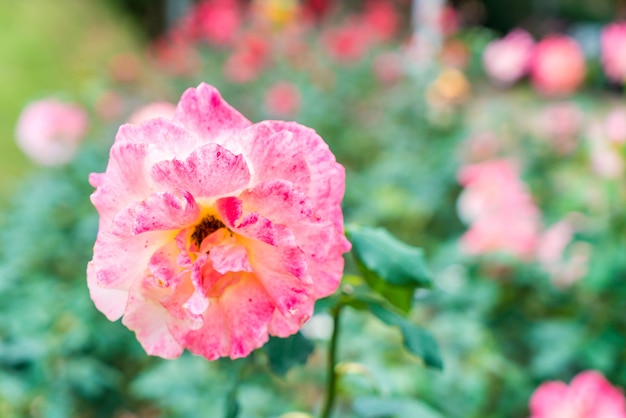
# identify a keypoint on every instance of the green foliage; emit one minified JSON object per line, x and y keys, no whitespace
{"x":284,"y":353}
{"x":390,"y":267}
{"x":415,"y":339}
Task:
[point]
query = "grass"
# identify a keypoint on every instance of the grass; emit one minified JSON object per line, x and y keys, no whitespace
{"x":58,"y":48}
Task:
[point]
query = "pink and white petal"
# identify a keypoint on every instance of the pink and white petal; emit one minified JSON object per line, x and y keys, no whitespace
{"x":119,"y":261}
{"x":278,"y":200}
{"x":547,"y":398}
{"x":212,"y":340}
{"x":198,"y":302}
{"x":275,"y":154}
{"x":327,"y":178}
{"x":111,"y":302}
{"x":164,"y":266}
{"x":247,"y":224}
{"x":210,"y":171}
{"x":149,"y":320}
{"x":274,"y":270}
{"x":322,"y":244}
{"x":206,"y":114}
{"x":160,"y":212}
{"x":248,"y":309}
{"x":286,"y":325}
{"x":170,"y":139}
{"x":125,"y":181}
{"x":230,"y":256}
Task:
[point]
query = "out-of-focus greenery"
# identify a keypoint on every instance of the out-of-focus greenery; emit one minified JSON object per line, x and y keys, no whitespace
{"x":56,"y":48}
{"x":503,"y":325}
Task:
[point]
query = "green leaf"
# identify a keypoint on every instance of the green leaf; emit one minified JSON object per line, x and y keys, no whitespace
{"x":392,"y":260}
{"x":390,"y":267}
{"x":416,"y":340}
{"x":284,"y":353}
{"x":232,"y":405}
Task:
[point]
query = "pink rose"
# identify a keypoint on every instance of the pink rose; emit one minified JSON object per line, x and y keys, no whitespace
{"x":152,"y":111}
{"x":506,"y":60}
{"x":213,"y":21}
{"x":589,"y":395}
{"x":248,"y":59}
{"x":214,"y":232}
{"x":560,"y":124}
{"x":501,"y":214}
{"x":282,"y":99}
{"x":606,"y":159}
{"x":348,"y":43}
{"x":382,"y":19}
{"x":557,"y":66}
{"x":615,"y":125}
{"x":613,"y":45}
{"x":50,"y":131}
{"x":564,"y":268}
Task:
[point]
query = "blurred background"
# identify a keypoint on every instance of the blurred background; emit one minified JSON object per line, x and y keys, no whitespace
{"x":490,"y":133}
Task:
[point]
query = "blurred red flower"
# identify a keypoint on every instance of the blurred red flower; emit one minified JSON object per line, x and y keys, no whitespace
{"x":557,"y":66}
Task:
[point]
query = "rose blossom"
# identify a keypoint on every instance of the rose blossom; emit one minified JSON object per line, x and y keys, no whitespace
{"x":215,"y":21}
{"x":215,"y":232}
{"x":615,"y":125}
{"x":589,"y":395}
{"x":49,"y":131}
{"x":506,"y":60}
{"x":613,"y":45}
{"x":499,"y":210}
{"x":557,"y":66}
{"x":348,"y":43}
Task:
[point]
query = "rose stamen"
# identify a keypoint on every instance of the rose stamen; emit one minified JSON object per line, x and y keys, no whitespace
{"x":206,"y":227}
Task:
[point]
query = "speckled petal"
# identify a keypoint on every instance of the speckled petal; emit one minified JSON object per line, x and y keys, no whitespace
{"x":203,"y":112}
{"x":210,"y":171}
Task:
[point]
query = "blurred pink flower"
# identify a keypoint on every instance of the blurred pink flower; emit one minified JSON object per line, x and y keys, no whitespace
{"x":613,"y":45}
{"x":557,"y":66}
{"x":507,"y":60}
{"x":606,"y":160}
{"x":553,"y":243}
{"x":501,"y":214}
{"x":349,"y":42}
{"x":615,"y":125}
{"x":152,"y":111}
{"x":248,"y":59}
{"x":448,"y":21}
{"x":214,"y":21}
{"x":283,"y":99}
{"x":382,"y":19}
{"x":561,"y":124}
{"x":50,"y":131}
{"x":215,"y":232}
{"x":589,"y":395}
{"x":551,"y":253}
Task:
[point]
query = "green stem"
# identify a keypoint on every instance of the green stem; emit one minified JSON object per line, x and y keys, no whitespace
{"x":331,"y":385}
{"x":232,"y":405}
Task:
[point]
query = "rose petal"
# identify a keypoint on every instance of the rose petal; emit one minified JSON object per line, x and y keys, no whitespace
{"x":210,"y":171}
{"x":203,"y":112}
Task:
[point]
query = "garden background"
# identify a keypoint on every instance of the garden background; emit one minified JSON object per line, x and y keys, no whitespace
{"x":510,"y":179}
